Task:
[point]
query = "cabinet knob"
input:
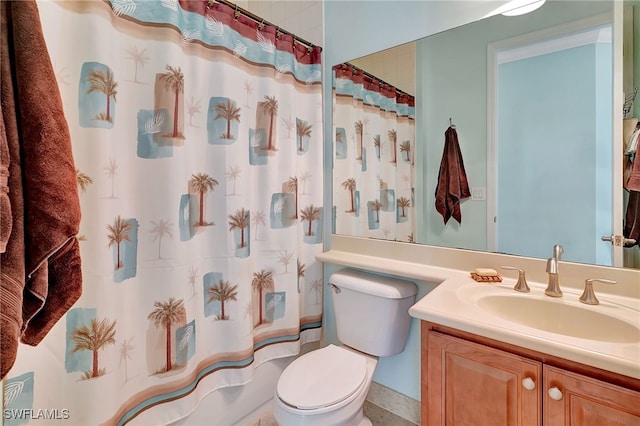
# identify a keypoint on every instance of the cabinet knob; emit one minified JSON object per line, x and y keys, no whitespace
{"x":528,"y":383}
{"x":555,"y":393}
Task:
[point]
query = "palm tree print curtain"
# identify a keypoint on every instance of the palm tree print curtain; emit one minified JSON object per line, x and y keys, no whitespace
{"x":374,"y":143}
{"x":197,"y":137}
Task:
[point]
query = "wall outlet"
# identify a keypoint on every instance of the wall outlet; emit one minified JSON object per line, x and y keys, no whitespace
{"x":478,"y":194}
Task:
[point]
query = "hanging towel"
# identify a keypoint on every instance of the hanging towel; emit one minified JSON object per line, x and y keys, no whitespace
{"x":631,"y":134}
{"x":40,"y":267}
{"x":632,"y":217}
{"x":632,"y":178}
{"x":5,"y":204}
{"x":631,"y":229}
{"x":452,"y":184}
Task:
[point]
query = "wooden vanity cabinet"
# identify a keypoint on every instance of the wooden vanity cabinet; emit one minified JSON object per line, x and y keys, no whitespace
{"x":473,"y":381}
{"x":475,"y":385}
{"x":586,"y":401}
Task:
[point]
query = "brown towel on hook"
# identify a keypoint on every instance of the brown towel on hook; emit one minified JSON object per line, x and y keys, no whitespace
{"x":40,"y":269}
{"x":452,"y":179}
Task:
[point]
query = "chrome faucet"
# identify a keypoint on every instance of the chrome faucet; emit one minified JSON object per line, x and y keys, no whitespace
{"x":553,"y":288}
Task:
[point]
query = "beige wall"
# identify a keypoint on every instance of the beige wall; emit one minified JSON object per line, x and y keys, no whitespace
{"x":396,"y":66}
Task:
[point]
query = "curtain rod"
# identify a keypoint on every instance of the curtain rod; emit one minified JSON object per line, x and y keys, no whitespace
{"x":259,"y":20}
{"x":402,"y":92}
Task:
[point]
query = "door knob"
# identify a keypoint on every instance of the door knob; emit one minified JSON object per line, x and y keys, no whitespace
{"x":618,"y":240}
{"x":555,"y":393}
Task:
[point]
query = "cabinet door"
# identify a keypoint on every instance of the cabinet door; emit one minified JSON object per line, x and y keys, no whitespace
{"x":475,"y":385}
{"x":572,"y":399}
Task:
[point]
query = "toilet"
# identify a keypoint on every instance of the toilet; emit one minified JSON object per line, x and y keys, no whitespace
{"x":328,"y":386}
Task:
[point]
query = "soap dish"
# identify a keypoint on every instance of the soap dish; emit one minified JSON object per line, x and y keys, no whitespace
{"x":486,"y":278}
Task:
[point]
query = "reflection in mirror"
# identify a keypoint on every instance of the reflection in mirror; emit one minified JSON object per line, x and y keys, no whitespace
{"x":374,"y":156}
{"x":532,"y":100}
{"x":566,"y":78}
{"x":454,"y":82}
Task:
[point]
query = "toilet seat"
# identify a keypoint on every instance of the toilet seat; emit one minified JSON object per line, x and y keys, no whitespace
{"x":322,"y":378}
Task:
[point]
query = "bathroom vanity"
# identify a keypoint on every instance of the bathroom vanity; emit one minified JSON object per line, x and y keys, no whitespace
{"x":524,"y":358}
{"x":466,"y":377}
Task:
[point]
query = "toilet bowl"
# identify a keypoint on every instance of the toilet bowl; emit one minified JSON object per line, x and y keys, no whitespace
{"x":328,"y":386}
{"x":325,"y":387}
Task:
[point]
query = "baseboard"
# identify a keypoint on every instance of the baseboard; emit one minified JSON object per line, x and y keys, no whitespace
{"x":395,"y":403}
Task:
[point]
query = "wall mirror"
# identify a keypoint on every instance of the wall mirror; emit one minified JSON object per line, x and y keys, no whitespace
{"x":531,"y":98}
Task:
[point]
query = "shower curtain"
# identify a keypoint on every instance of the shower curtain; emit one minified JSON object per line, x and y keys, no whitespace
{"x":197,"y":139}
{"x":374,"y":157}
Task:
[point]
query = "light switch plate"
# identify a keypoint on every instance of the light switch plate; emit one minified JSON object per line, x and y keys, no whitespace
{"x":478,"y":193}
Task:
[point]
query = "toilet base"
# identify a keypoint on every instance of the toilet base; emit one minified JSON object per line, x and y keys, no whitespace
{"x":358,"y":420}
{"x":362,"y":421}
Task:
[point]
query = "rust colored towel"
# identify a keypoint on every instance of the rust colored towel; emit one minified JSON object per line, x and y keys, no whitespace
{"x":5,"y":204}
{"x":632,"y":217}
{"x":40,"y":268}
{"x":452,"y":179}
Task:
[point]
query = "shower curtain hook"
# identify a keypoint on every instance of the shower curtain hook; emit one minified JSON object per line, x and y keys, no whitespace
{"x":210,"y":3}
{"x":261,"y":25}
{"x":236,"y":15}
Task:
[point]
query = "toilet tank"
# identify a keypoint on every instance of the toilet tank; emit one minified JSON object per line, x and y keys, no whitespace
{"x":372,"y":311}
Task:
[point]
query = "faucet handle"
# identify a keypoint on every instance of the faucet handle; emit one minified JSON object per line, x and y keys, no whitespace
{"x":588,"y":295}
{"x":521,"y":285}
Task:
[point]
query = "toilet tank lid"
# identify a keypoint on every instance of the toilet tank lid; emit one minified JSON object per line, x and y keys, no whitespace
{"x":376,"y":285}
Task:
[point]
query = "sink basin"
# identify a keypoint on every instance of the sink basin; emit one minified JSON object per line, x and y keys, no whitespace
{"x":555,"y":316}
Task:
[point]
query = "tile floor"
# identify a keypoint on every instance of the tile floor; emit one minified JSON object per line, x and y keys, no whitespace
{"x":377,"y":415}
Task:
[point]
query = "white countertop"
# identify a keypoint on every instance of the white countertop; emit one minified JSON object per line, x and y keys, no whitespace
{"x":454,"y":304}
